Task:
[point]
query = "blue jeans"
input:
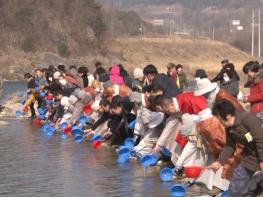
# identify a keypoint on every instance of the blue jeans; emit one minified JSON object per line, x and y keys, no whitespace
{"x":239,"y":182}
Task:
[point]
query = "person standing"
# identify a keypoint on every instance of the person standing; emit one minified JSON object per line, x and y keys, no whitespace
{"x":154,"y":78}
{"x":230,"y":83}
{"x":181,"y":76}
{"x":30,"y":94}
{"x":225,"y":66}
{"x":255,"y":83}
{"x":137,"y":83}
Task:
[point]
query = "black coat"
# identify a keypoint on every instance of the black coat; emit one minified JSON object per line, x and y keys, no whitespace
{"x":169,"y":86}
{"x":247,"y":130}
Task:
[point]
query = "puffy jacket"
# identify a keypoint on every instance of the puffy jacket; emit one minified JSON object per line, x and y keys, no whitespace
{"x":223,"y":94}
{"x":231,"y":86}
{"x":115,"y":75}
{"x":170,"y":88}
{"x":234,"y":160}
{"x":256,"y":95}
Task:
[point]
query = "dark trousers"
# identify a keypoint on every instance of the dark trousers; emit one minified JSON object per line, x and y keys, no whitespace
{"x":33,"y":113}
{"x":239,"y":181}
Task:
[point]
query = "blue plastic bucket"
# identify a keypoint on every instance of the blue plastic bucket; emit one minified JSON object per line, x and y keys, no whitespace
{"x":123,"y":158}
{"x":123,"y":150}
{"x":166,"y":174}
{"x":42,"y":94}
{"x":76,"y":130}
{"x":83,"y":119}
{"x":224,"y":194}
{"x":42,"y":117}
{"x":41,"y":111}
{"x":78,"y":138}
{"x":44,"y":127}
{"x":23,"y":101}
{"x":95,"y":137}
{"x":63,"y":136}
{"x":63,"y":125}
{"x":148,"y":160}
{"x":19,"y":113}
{"x":129,"y":143}
{"x":50,"y":131}
{"x":178,"y":190}
{"x":37,"y":89}
{"x":166,"y":152}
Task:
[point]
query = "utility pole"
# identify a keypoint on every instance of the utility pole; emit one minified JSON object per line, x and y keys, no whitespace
{"x":258,"y":25}
{"x":253,"y":26}
{"x":213,"y":32}
{"x":259,"y":36}
{"x":111,"y":28}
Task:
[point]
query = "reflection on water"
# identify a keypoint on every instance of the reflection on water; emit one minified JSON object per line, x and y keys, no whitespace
{"x":33,"y":165}
{"x":11,"y":88}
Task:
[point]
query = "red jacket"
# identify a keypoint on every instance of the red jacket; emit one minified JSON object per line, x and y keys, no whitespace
{"x":187,"y":102}
{"x":256,"y":95}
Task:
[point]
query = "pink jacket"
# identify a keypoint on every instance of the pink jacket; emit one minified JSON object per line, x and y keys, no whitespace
{"x":115,"y":76}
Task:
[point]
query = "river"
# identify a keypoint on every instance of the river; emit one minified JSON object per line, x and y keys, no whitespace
{"x":33,"y":165}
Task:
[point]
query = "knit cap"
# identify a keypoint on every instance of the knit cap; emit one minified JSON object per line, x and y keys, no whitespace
{"x":137,"y":73}
{"x":108,"y":84}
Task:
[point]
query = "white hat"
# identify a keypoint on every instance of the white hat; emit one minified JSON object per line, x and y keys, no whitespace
{"x":156,"y":118}
{"x":204,"y":86}
{"x":137,"y":73}
{"x":64,"y":101}
{"x":72,"y":99}
{"x":56,"y":75}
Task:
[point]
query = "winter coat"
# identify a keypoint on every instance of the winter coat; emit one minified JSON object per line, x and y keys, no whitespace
{"x":40,"y":82}
{"x":78,"y":110}
{"x":115,"y":75}
{"x":223,"y":94}
{"x":233,"y":161}
{"x":72,"y":82}
{"x":213,"y":133}
{"x":231,"y":87}
{"x":182,"y":81}
{"x":119,"y":123}
{"x":256,"y":95}
{"x":170,"y":88}
{"x":247,"y":131}
{"x":137,"y":85}
{"x":219,"y":76}
{"x":187,"y":102}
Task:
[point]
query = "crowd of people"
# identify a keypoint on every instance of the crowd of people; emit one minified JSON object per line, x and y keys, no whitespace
{"x":202,"y":125}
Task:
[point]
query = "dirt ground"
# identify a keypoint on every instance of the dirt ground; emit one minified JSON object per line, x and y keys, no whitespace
{"x":134,"y":52}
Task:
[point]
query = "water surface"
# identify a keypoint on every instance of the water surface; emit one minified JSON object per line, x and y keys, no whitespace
{"x":33,"y":165}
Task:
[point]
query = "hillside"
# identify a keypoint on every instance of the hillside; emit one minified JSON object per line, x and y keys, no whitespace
{"x":35,"y":33}
{"x":193,"y":53}
{"x":132,"y":52}
{"x":66,"y":27}
{"x":199,"y":17}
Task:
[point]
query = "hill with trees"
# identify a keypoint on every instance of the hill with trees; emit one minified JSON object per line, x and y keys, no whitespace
{"x":199,"y":17}
{"x":35,"y":33}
